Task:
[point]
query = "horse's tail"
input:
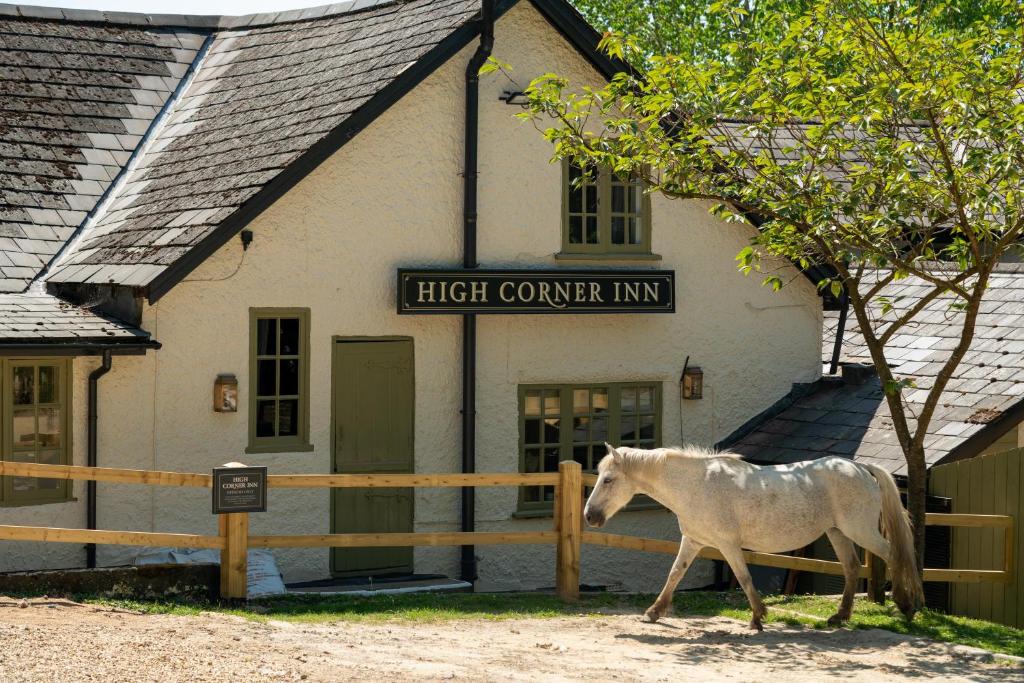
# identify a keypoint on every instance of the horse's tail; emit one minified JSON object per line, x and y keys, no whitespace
{"x":907,"y":590}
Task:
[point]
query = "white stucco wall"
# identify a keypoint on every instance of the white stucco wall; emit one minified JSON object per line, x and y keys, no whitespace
{"x":392,"y":197}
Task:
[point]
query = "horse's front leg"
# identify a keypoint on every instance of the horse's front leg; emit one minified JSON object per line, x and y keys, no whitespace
{"x":734,"y":556}
{"x":688,"y":550}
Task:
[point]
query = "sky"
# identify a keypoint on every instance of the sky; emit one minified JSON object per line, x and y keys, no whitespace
{"x":223,"y":7}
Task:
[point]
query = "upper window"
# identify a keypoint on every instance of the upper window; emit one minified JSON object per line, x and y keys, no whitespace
{"x":278,"y":380}
{"x":573,"y":422}
{"x":603,"y":213}
{"x":36,"y":400}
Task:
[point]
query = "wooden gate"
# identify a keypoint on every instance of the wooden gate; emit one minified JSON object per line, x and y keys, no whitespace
{"x":988,"y":485}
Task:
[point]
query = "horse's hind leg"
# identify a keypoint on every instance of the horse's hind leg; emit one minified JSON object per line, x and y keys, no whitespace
{"x":847,"y":555}
{"x":734,"y":556}
{"x":687,"y":551}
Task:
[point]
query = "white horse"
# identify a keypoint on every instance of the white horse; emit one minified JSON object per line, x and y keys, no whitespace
{"x":728,"y":504}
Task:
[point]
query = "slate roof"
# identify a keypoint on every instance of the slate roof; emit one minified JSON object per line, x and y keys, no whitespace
{"x":75,"y":100}
{"x":259,"y":99}
{"x":983,"y":400}
{"x":37,"y":318}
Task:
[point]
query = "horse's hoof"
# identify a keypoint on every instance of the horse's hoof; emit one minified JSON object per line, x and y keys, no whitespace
{"x":755,"y":625}
{"x":652,"y":615}
{"x":837,"y":620}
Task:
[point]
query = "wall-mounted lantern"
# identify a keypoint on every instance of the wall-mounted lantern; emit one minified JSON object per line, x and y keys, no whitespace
{"x":225,"y":394}
{"x":692,"y":381}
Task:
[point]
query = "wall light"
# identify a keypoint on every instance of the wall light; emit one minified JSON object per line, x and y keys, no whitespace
{"x":692,"y":380}
{"x":225,"y":394}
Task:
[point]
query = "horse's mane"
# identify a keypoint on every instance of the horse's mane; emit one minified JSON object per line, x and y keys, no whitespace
{"x":639,"y":459}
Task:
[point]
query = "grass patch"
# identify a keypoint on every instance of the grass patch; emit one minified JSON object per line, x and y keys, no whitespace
{"x":805,"y":610}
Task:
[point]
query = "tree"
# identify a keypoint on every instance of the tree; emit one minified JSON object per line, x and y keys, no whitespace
{"x":873,"y":139}
{"x":701,"y":30}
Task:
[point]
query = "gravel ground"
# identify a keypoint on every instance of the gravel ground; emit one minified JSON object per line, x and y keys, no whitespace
{"x":57,"y":640}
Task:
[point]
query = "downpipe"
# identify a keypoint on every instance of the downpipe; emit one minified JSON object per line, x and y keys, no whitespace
{"x":468,"y":566}
{"x":91,"y":459}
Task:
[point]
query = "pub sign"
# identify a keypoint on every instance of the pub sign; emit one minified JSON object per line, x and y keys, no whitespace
{"x":239,"y":489}
{"x":513,"y":292}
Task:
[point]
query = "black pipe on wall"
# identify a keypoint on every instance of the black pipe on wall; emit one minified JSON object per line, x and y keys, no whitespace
{"x":91,"y":459}
{"x":468,"y":570}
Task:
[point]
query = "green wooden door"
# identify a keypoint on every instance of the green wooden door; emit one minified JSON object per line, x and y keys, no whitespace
{"x":373,"y":432}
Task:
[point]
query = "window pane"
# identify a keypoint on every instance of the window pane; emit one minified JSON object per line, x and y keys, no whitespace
{"x":591,"y":197}
{"x":49,"y":428}
{"x":288,"y":417}
{"x":23,"y":428}
{"x":599,"y":429}
{"x":552,"y":404}
{"x":618,"y":198}
{"x":531,"y":432}
{"x":618,"y":230}
{"x":289,"y":377}
{"x":591,"y":229}
{"x":581,"y":401}
{"x":581,"y":454}
{"x":49,"y":458}
{"x":23,"y":485}
{"x":24,"y":385}
{"x":646,"y":398}
{"x":266,"y":337}
{"x":627,"y":428}
{"x":634,"y":231}
{"x":575,"y":230}
{"x":635,"y":193}
{"x":289,"y":336}
{"x":551,"y":430}
{"x":48,"y":384}
{"x":550,"y":459}
{"x":532,"y":460}
{"x":266,"y":384}
{"x":532,"y":406}
{"x":531,"y":494}
{"x":581,"y":429}
{"x":265,"y":417}
{"x":600,"y":398}
{"x":628,"y":400}
{"x":575,"y":199}
{"x":646,"y":426}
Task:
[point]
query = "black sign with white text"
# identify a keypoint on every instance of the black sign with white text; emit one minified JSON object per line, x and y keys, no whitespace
{"x":239,"y":489}
{"x":513,"y":292}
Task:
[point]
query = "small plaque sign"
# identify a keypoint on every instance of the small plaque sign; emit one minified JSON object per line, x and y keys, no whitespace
{"x":239,"y":489}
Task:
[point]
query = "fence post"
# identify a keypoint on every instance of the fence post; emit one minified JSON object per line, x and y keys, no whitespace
{"x":569,"y":524}
{"x":234,"y":529}
{"x":876,"y":577}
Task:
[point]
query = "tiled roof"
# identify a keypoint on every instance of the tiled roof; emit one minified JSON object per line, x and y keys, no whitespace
{"x":75,"y":100}
{"x":259,"y":99}
{"x":39,"y":318}
{"x":852,"y":420}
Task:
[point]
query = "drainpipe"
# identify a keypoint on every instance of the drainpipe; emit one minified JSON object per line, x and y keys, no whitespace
{"x":469,"y":215}
{"x":90,"y":495}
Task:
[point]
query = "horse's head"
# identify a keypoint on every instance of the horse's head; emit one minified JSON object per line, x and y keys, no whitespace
{"x":612,"y":491}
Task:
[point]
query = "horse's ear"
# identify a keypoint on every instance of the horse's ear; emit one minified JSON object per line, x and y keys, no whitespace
{"x":612,"y":451}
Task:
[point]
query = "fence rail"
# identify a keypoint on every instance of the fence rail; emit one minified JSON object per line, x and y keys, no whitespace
{"x":567,"y":534}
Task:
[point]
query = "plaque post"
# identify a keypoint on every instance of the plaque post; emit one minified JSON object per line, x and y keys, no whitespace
{"x":234,"y":566}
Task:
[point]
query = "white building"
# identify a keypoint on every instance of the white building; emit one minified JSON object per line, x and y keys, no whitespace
{"x":197,"y":197}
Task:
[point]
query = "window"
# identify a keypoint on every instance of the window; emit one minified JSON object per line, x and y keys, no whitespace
{"x":566,"y":422}
{"x":604,"y":214}
{"x":36,"y":400}
{"x":278,"y":380}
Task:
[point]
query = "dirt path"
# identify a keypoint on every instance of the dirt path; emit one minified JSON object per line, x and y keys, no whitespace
{"x":56,"y":640}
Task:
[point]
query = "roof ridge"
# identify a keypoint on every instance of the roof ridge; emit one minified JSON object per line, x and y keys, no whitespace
{"x":191,"y":21}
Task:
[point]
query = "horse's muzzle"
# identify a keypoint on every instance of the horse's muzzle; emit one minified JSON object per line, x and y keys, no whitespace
{"x":594,"y":519}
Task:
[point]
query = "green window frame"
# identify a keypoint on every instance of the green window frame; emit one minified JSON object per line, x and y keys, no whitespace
{"x":36,"y":427}
{"x":278,"y":380}
{"x":573,"y":421}
{"x":604,"y":215}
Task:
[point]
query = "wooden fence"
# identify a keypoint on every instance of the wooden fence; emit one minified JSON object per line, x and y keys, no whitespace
{"x":567,"y":534}
{"x":987,"y":485}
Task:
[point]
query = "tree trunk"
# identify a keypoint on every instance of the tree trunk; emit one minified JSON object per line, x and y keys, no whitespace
{"x":917,"y":491}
